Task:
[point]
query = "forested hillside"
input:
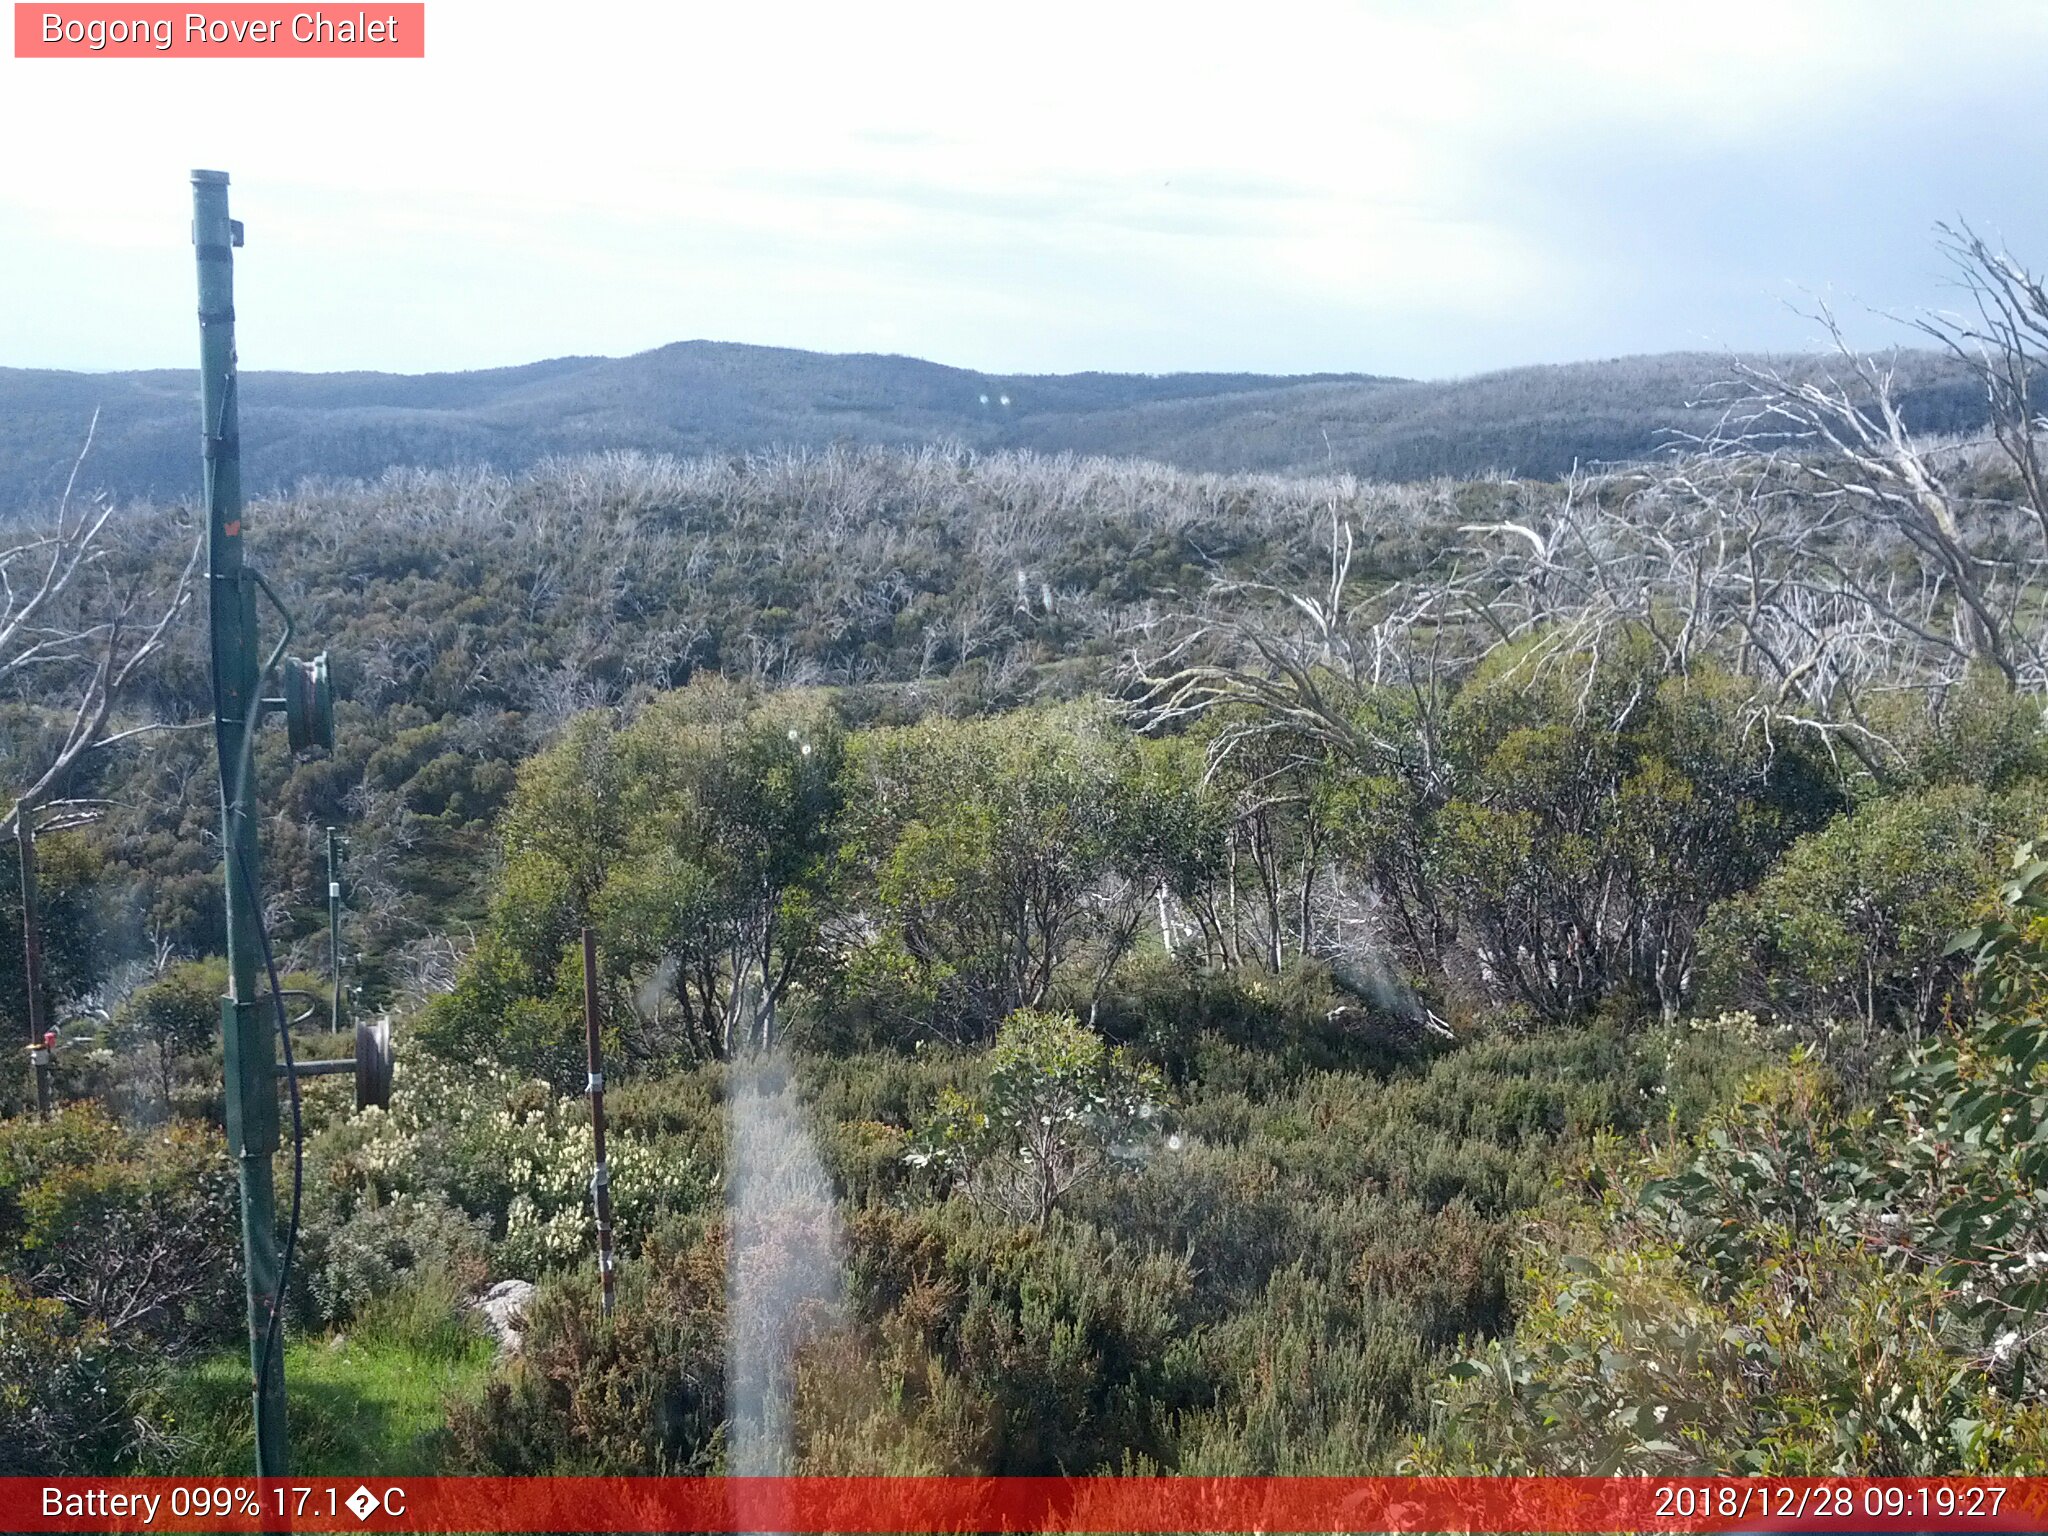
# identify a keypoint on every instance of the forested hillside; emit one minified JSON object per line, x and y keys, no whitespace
{"x":703,"y":397}
{"x":690,"y":398}
{"x":470,"y":616}
{"x":1102,"y":967}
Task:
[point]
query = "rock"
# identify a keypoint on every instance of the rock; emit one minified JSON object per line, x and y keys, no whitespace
{"x":504,"y":1310}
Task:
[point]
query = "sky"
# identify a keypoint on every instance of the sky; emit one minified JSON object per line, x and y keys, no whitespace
{"x":1426,"y":189}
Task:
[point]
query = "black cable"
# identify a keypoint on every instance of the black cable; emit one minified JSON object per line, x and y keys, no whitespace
{"x":238,"y":806}
{"x":284,"y":1033}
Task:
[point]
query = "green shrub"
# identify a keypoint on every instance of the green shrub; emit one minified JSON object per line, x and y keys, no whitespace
{"x":1058,"y":1109}
{"x":1727,"y":1318}
{"x":509,"y":1006}
{"x":346,"y":1266}
{"x":699,"y":840}
{"x":173,"y":1017}
{"x":65,"y":1390}
{"x":1853,"y":920}
{"x":1226,"y":1208}
{"x":639,"y":1392}
{"x":1240,"y":1215}
{"x":682,"y":1104}
{"x":1172,"y":1011}
{"x":1312,"y":1381}
{"x":994,"y":853}
{"x":133,"y":1230}
{"x":77,"y":922}
{"x":1803,"y":1290}
{"x":1025,"y":1351}
{"x":1598,"y":808}
{"x":1980,"y":732}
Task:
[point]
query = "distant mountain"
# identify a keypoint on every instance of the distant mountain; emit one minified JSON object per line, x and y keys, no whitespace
{"x":711,"y":397}
{"x":1536,"y":422}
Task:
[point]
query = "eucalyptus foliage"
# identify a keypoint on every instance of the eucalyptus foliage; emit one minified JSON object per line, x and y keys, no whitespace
{"x":1804,"y":1287}
{"x":1059,"y":1108}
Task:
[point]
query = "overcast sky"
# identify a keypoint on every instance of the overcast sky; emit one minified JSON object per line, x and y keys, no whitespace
{"x":1426,"y":189}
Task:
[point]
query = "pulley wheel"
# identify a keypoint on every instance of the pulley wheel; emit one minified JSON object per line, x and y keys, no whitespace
{"x":373,"y":1064}
{"x":308,"y":703}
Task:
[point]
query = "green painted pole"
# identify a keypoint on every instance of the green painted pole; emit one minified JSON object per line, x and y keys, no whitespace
{"x":247,"y":1031}
{"x":334,"y":924}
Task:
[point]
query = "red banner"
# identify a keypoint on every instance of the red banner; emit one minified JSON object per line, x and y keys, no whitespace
{"x":230,"y":31}
{"x":1085,"y":1504}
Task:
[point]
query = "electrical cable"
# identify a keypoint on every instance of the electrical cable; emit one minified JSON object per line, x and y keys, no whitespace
{"x":239,"y":805}
{"x":284,"y":1033}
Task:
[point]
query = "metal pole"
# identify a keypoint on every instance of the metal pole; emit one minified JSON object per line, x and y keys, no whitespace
{"x":247,"y":1037}
{"x":32,"y":957}
{"x":600,"y":1178}
{"x":334,"y":923}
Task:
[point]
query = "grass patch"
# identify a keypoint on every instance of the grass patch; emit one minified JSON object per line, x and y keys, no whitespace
{"x":370,"y":1399}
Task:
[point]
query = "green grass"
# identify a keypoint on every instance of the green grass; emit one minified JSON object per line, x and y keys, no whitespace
{"x":371,"y":1399}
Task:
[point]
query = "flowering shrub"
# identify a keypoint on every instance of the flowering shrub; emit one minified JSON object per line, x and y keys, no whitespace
{"x":508,"y":1149}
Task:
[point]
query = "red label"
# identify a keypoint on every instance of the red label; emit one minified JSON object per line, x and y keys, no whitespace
{"x":1127,"y":1505}
{"x":235,"y":31}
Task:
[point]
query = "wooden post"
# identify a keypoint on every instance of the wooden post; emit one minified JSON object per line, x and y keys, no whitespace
{"x":600,"y":1178}
{"x":32,"y":956}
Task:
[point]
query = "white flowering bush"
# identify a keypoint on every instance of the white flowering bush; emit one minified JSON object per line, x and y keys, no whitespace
{"x":508,"y":1149}
{"x":1738,"y":1023}
{"x":550,"y":1219}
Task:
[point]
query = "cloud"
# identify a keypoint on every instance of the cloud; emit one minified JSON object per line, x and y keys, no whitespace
{"x":1390,"y":187}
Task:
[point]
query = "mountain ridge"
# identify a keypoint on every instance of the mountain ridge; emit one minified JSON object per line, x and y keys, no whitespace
{"x":696,"y":397}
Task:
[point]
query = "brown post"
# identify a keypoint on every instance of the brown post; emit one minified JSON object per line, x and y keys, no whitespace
{"x":600,"y":1179}
{"x":32,"y":956}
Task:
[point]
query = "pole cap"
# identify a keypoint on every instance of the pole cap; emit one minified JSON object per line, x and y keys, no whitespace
{"x":209,"y":178}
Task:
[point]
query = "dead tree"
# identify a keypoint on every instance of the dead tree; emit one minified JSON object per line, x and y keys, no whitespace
{"x":73,"y":631}
{"x":1839,"y":438}
{"x":2002,"y":338}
